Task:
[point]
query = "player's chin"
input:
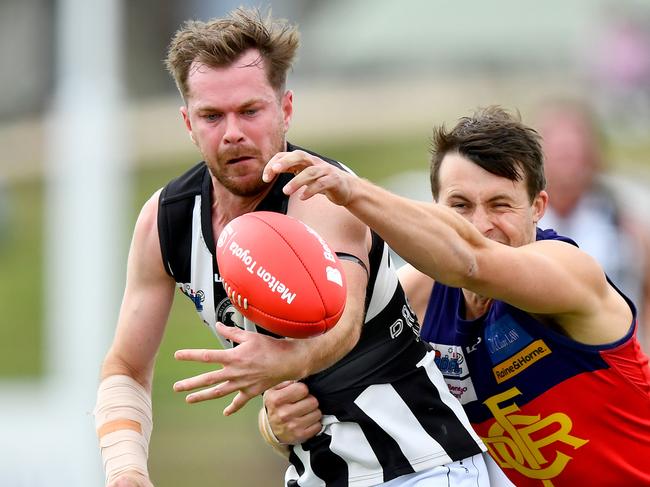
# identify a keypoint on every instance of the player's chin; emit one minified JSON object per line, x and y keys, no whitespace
{"x":246,"y":186}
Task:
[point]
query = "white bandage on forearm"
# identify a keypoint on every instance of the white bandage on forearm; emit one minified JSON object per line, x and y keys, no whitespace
{"x":267,"y":434}
{"x":123,"y":420}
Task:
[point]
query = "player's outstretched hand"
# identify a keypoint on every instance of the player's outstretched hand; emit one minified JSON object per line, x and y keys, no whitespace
{"x":313,"y":176}
{"x":256,"y":364}
{"x":293,"y":412}
{"x":130,"y":479}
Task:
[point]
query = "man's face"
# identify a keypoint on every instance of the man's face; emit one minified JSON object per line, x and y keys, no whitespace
{"x":235,"y":118}
{"x":569,"y":150}
{"x":499,"y":208}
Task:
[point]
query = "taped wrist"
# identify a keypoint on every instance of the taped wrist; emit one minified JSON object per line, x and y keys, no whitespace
{"x":269,"y":437}
{"x":123,"y":420}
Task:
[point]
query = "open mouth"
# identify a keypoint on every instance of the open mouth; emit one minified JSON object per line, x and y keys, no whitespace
{"x":238,"y":159}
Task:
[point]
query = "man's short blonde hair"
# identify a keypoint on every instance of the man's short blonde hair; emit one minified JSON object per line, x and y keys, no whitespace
{"x":219,"y":42}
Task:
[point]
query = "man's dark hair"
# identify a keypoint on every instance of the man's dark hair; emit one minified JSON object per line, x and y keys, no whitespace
{"x":498,"y":142}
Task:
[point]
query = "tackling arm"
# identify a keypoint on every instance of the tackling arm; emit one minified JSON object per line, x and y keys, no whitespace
{"x":547,"y":277}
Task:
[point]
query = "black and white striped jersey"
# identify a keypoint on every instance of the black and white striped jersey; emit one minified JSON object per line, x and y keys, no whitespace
{"x":387,"y":410}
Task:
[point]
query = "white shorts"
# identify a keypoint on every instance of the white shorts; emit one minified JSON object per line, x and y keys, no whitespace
{"x":497,"y":477}
{"x":469,"y":472}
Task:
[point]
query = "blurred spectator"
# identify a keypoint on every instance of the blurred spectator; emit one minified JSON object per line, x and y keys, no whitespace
{"x":621,"y":70}
{"x":584,"y":207}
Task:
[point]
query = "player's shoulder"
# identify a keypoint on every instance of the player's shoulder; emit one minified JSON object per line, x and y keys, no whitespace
{"x":417,"y":286}
{"x":148,"y":217}
{"x":320,"y":213}
{"x":567,"y":253}
{"x":409,"y":273}
{"x":329,"y":160}
{"x":549,"y":241}
{"x":187,"y":185}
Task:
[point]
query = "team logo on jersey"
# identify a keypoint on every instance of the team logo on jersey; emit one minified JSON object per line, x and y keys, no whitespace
{"x":227,"y":314}
{"x":537,"y":447}
{"x":451,"y":362}
{"x":197,"y":297}
{"x":474,"y":347}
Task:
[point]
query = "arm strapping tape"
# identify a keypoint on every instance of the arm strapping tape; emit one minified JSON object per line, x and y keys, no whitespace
{"x":124,"y":420}
{"x":269,"y":437}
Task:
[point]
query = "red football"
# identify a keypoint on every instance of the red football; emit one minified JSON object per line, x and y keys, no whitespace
{"x":279,"y":273}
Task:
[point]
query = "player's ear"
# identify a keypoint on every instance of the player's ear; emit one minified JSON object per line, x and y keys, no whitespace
{"x":539,"y":205}
{"x":188,"y":123}
{"x":287,"y":108}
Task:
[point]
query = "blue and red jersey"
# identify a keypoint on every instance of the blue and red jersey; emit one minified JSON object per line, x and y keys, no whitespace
{"x":552,"y":411}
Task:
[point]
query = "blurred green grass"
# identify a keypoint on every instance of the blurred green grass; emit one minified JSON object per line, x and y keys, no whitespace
{"x":21,"y":282}
{"x":191,"y":445}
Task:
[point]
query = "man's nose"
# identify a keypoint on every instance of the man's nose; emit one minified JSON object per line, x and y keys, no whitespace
{"x":481,"y":220}
{"x":233,"y":133}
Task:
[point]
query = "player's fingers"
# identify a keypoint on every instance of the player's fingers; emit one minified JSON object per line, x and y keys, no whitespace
{"x":303,"y":412}
{"x":289,"y":394}
{"x":237,"y":403}
{"x":307,"y":422}
{"x":232,"y":333}
{"x":272,"y":168}
{"x":321,"y":185}
{"x":306,"y":178}
{"x":307,"y":407}
{"x":298,"y":429}
{"x":310,"y":431}
{"x":215,"y":392}
{"x":202,"y":380}
{"x":282,"y":385}
{"x":293,"y":161}
{"x":202,"y":355}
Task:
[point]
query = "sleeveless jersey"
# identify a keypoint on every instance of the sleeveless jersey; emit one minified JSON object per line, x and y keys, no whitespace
{"x":387,"y":411}
{"x":552,"y":412}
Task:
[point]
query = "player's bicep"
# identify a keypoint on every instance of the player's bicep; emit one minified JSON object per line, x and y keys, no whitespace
{"x":542,"y":277}
{"x":345,"y":234}
{"x":146,"y":303}
{"x":341,"y":230}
